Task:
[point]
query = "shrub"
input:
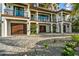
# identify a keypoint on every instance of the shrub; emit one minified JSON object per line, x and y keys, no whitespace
{"x":69,"y":49}
{"x":71,"y":44}
{"x":45,"y":45}
{"x":75,"y":38}
{"x":33,"y":28}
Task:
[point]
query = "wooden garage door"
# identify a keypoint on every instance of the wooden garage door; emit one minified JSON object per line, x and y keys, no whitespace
{"x":18,"y":28}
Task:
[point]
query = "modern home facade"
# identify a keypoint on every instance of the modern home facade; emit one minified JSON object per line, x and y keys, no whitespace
{"x":27,"y":19}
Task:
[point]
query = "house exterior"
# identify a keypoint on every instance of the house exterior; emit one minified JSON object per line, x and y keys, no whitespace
{"x":33,"y":18}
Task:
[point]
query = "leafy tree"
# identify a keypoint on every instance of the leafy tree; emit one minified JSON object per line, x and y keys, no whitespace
{"x":75,"y":17}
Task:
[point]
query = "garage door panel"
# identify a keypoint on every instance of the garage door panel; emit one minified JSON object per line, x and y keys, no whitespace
{"x":18,"y":28}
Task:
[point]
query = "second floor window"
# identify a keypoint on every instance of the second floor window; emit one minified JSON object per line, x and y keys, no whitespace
{"x":18,"y":11}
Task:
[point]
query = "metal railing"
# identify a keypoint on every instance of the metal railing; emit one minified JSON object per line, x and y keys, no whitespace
{"x":16,"y":12}
{"x":33,"y":17}
{"x":43,"y":20}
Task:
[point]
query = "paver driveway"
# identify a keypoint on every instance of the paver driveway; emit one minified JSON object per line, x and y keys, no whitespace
{"x":27,"y":45}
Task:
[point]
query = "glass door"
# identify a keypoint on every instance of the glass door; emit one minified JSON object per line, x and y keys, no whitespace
{"x":42,"y":29}
{"x":18,"y":11}
{"x":21,"y":11}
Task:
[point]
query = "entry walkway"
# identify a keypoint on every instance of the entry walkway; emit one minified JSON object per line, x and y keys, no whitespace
{"x":26,"y":45}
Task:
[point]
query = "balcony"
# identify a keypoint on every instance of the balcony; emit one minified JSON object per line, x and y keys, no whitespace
{"x":43,"y":19}
{"x":67,"y":18}
{"x":33,"y":17}
{"x":44,"y":6}
{"x":15,"y":13}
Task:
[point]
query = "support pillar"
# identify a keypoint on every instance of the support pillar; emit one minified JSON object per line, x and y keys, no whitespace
{"x":37,"y":27}
{"x":28,"y":28}
{"x":70,"y":28}
{"x":57,"y":27}
{"x":51,"y":28}
{"x":4,"y":27}
{"x":62,"y":27}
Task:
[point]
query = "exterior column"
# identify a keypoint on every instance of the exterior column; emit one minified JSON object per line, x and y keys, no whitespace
{"x":51,"y":18}
{"x":28,"y":21}
{"x":4,"y":27}
{"x":62,"y":16}
{"x":70,"y":28}
{"x":28,"y":10}
{"x":62,"y":22}
{"x":62,"y":27}
{"x":57,"y":28}
{"x":47,"y":29}
{"x":37,"y":4}
{"x":51,"y":28}
{"x":51,"y":24}
{"x":37,"y":29}
{"x":4,"y":23}
{"x":28,"y":28}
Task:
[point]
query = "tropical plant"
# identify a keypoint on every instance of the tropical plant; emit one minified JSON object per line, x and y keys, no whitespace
{"x":75,"y":38}
{"x":33,"y":28}
{"x":69,"y":49}
{"x":45,"y":45}
{"x":75,"y":17}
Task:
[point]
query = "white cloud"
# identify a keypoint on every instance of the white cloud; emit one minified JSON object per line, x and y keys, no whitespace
{"x":68,"y":6}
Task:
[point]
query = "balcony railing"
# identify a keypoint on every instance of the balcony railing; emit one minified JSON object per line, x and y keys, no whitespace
{"x":68,"y":19}
{"x":43,"y":20}
{"x":16,"y":13}
{"x":43,"y":5}
{"x":33,"y":17}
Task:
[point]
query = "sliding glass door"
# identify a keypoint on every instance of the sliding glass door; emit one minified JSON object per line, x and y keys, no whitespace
{"x":18,"y":11}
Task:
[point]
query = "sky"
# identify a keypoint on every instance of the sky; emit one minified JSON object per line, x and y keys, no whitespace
{"x":65,"y":6}
{"x":62,"y":5}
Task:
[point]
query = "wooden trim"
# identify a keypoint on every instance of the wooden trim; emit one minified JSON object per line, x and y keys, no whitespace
{"x":5,"y":15}
{"x":38,"y":8}
{"x":20,"y":5}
